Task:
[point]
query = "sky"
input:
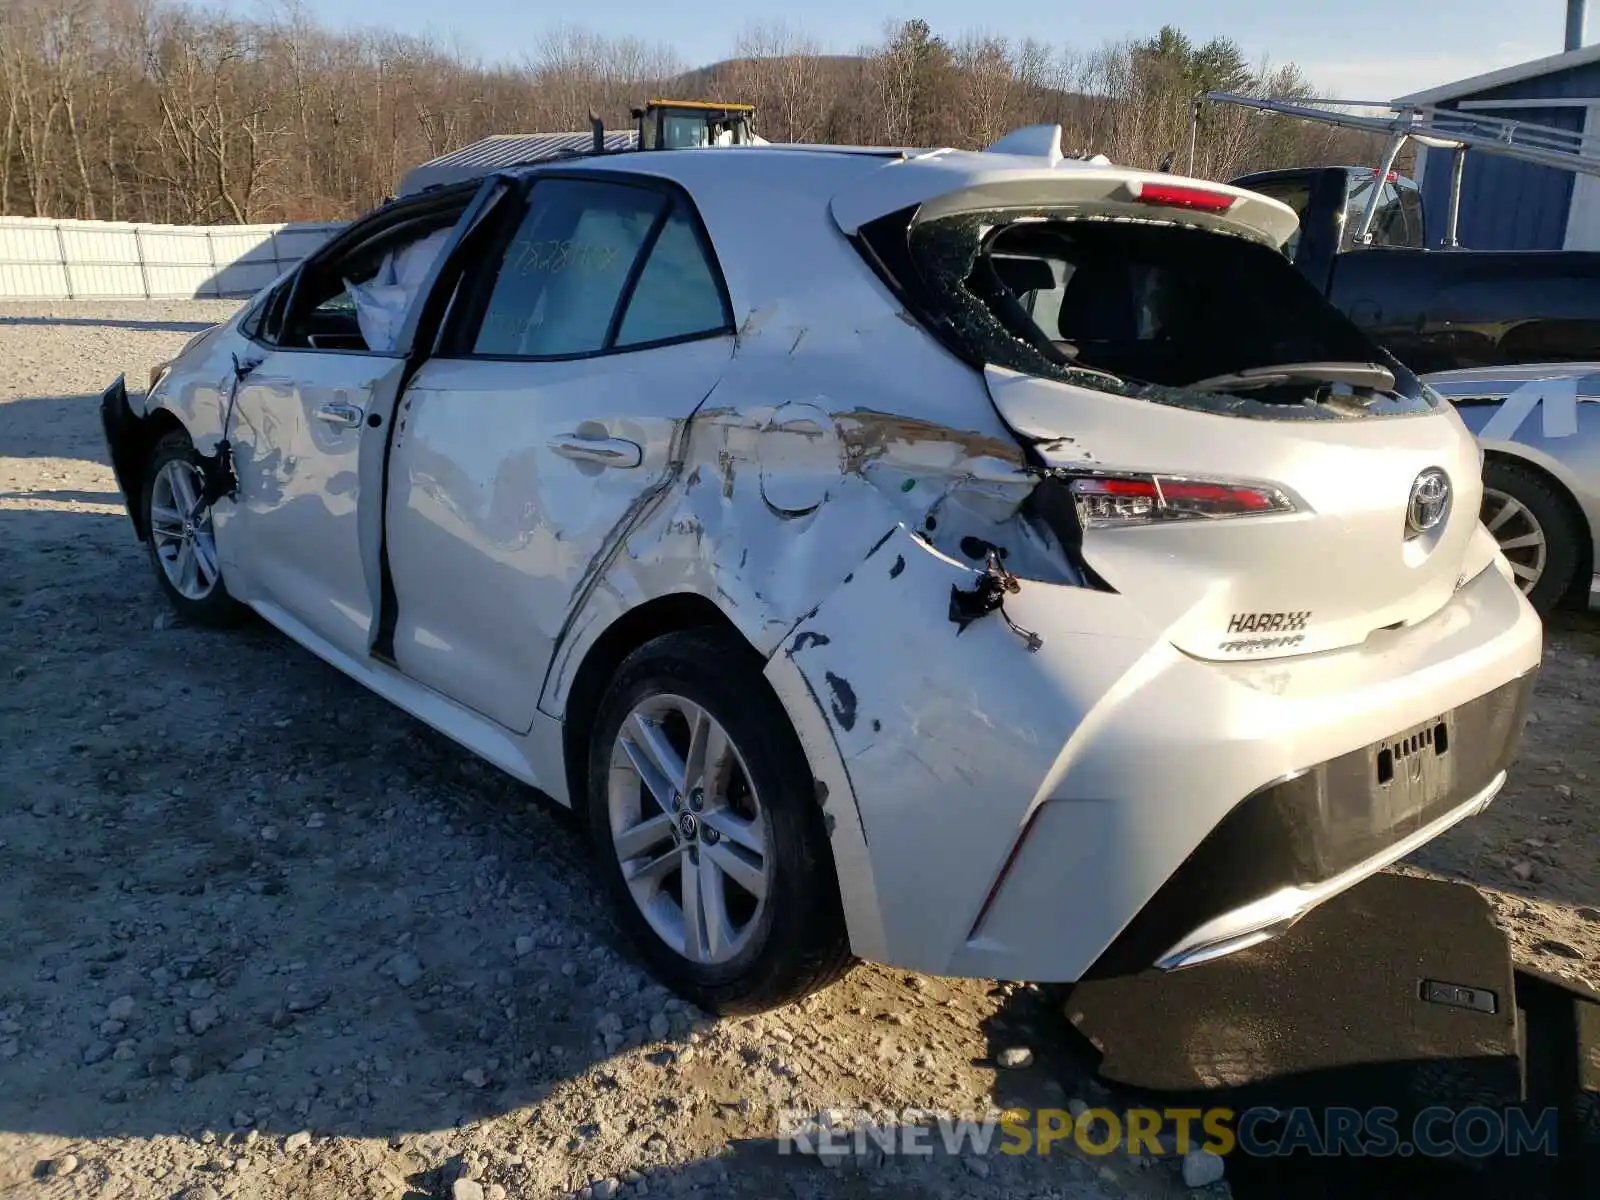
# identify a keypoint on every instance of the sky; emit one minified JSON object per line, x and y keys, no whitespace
{"x":1355,"y":49}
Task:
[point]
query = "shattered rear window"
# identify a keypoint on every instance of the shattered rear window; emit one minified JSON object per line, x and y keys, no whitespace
{"x":1139,"y":308}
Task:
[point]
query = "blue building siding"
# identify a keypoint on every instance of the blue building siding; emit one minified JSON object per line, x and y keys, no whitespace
{"x":1506,"y":204}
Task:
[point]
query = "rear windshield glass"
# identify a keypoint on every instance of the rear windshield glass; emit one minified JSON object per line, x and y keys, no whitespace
{"x":1142,"y":308}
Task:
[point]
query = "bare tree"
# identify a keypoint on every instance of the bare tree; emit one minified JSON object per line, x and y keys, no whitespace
{"x":149,"y":110}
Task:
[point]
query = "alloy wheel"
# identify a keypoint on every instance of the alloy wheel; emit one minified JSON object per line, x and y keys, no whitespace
{"x":1519,"y":533}
{"x":184,"y":542}
{"x":688,"y":829}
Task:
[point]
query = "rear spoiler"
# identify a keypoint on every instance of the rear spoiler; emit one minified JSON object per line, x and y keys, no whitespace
{"x":945,"y":183}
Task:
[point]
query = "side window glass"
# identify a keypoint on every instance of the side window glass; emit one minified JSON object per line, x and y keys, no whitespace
{"x":251,"y":325}
{"x":1411,"y":207}
{"x":677,"y":294}
{"x":264,"y":322}
{"x":1384,"y":220}
{"x":1297,"y":195}
{"x":557,"y":289}
{"x":1388,"y":223}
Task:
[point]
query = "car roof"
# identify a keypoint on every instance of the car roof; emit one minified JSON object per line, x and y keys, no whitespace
{"x":815,"y":169}
{"x":860,"y":184}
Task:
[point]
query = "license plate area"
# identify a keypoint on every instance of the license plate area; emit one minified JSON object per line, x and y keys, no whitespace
{"x":1414,"y":768}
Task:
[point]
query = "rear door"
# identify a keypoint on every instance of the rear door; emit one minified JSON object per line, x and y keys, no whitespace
{"x":552,"y":414}
{"x":310,"y":416}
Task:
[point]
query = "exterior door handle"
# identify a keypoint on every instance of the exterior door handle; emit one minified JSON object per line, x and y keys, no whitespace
{"x":344,"y":415}
{"x":606,"y":452}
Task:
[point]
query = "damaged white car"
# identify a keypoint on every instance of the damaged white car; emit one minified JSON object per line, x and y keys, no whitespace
{"x":992,"y":564}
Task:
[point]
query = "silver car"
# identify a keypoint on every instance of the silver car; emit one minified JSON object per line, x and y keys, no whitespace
{"x":988,"y":564}
{"x":1539,"y":426}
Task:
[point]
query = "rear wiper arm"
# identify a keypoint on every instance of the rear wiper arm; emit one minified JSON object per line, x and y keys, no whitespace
{"x":1361,"y":375}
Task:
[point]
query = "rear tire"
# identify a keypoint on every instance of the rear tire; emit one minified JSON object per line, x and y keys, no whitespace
{"x":707,"y":830}
{"x":183,"y":549}
{"x":1537,"y":529}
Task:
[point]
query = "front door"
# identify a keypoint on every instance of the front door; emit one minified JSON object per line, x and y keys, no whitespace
{"x":553,"y":412}
{"x":311,"y":418}
{"x":299,"y":431}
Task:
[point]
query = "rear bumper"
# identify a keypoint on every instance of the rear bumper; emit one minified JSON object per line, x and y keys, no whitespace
{"x":1030,"y":816}
{"x":1301,"y":841}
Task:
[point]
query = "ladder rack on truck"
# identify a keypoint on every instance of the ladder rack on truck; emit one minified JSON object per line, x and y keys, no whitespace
{"x":1431,"y":126}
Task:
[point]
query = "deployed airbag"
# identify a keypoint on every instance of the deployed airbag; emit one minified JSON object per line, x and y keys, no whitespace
{"x":383,"y":301}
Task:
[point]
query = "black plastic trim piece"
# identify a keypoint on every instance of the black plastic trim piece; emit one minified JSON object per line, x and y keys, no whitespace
{"x":123,"y":445}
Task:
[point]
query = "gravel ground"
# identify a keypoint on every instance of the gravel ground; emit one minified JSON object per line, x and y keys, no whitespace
{"x":265,"y":936}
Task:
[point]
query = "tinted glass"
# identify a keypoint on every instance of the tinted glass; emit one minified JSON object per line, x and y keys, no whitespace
{"x":557,"y":287}
{"x":1416,"y":232}
{"x":1296,"y":193}
{"x":1355,"y":210}
{"x":677,"y":294}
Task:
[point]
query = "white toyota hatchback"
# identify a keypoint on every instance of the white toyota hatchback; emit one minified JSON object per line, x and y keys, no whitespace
{"x":992,"y":563}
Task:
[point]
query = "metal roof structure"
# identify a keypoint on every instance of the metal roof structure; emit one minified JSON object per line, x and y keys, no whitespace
{"x":1506,"y":76}
{"x":506,"y":150}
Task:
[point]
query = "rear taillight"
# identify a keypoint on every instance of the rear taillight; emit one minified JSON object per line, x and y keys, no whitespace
{"x":1179,"y":195}
{"x":1102,"y":500}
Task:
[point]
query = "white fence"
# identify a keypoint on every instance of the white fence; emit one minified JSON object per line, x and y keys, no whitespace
{"x":45,"y":259}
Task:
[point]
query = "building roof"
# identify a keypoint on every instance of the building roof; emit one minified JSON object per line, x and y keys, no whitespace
{"x":1532,"y":69}
{"x":505,"y":150}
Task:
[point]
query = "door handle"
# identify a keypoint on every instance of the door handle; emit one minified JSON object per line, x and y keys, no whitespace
{"x":345,"y":415}
{"x":606,"y":452}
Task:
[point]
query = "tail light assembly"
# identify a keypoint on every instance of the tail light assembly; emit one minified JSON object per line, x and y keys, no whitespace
{"x":1180,"y":195}
{"x":1102,"y":500}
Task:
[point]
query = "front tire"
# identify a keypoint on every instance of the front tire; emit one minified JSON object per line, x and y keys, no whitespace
{"x":706,"y":826}
{"x":183,"y":546}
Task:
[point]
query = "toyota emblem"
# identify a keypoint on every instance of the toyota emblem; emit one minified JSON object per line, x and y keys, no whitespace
{"x":1430,"y":502}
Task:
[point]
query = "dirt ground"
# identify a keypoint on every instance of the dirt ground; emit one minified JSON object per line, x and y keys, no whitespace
{"x":262,"y":935}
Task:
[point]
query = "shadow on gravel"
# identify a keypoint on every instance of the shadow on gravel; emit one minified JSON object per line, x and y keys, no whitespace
{"x":52,"y":427}
{"x":111,"y":323}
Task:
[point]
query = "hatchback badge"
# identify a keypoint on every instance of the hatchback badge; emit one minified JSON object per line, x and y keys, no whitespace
{"x":1429,"y":503}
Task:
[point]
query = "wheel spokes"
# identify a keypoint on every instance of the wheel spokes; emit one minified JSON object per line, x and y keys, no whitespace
{"x":1509,"y":510}
{"x":181,"y":533}
{"x":185,"y":567}
{"x":205,"y":552}
{"x":1523,"y":542}
{"x":653,"y":757}
{"x":644,"y":837}
{"x":694,"y":932}
{"x":739,"y":865}
{"x":183,"y":490}
{"x":715,"y":924}
{"x":166,"y":519}
{"x":699,"y":868}
{"x":646,"y":880}
{"x":739,"y":830}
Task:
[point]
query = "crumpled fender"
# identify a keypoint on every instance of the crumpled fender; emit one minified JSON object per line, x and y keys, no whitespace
{"x":933,"y":743}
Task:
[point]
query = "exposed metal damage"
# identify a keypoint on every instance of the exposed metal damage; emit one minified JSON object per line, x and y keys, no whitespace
{"x":807,"y":494}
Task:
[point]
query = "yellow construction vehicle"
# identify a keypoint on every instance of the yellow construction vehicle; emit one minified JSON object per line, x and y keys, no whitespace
{"x":682,"y":124}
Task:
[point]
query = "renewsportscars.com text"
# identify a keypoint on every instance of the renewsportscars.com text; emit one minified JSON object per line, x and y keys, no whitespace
{"x":1375,"y":1132}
